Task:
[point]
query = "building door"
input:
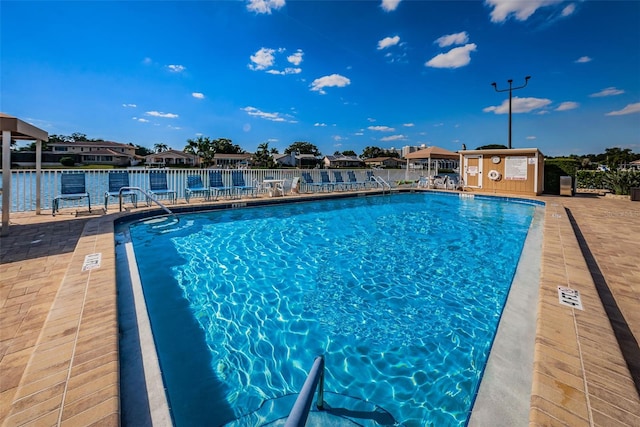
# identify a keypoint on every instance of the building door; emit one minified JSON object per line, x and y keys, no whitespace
{"x":473,"y":171}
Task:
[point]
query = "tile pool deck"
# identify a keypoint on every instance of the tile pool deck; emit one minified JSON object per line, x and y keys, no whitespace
{"x":59,"y":331}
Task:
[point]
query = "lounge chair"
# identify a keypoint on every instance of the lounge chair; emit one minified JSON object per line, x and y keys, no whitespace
{"x":309,"y":183}
{"x":371,"y":179}
{"x":72,"y":187}
{"x":216,"y":185}
{"x":117,"y":180}
{"x":158,"y":187}
{"x":353,"y":181}
{"x":237,"y":178}
{"x":195,"y":186}
{"x":339,"y":181}
{"x":326,"y":182}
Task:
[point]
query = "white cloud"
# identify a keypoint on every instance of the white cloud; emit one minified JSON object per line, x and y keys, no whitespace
{"x":381,"y":128}
{"x":389,"y":5}
{"x":455,"y":58}
{"x":610,"y":91}
{"x":296,"y":58}
{"x":568,"y":105}
{"x":569,"y":9}
{"x":163,"y":115}
{"x":198,"y":95}
{"x":583,"y":59}
{"x":334,"y":80}
{"x":173,"y":127}
{"x":140,"y":119}
{"x":320,"y":125}
{"x":450,"y":39}
{"x":393,"y":138}
{"x":287,"y":70}
{"x":262,"y":59}
{"x":388,"y":41}
{"x":147,"y":61}
{"x":264,"y":6}
{"x":266,"y":58}
{"x":522,"y":10}
{"x":176,"y":68}
{"x":629,"y":109}
{"x":129,"y":105}
{"x":531,"y":137}
{"x":409,"y":125}
{"x":519,"y":105}
{"x":274,"y":117}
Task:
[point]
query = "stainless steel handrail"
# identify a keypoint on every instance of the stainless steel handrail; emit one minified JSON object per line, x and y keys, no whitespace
{"x":149,"y":197}
{"x":300,"y":411}
{"x":382,"y":182}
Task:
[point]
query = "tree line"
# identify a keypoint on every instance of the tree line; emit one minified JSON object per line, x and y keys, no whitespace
{"x":207,"y":148}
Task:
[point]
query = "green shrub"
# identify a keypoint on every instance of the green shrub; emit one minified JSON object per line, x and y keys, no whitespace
{"x":554,"y":169}
{"x":621,"y":182}
{"x":590,"y":179}
{"x":67,"y":161}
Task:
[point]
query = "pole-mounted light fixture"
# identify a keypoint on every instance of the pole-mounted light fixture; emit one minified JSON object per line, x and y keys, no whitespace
{"x":511,"y":89}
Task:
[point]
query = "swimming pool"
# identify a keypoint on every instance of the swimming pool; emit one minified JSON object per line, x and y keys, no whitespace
{"x":402,"y":294}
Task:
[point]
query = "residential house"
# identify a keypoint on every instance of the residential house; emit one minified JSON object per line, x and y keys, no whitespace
{"x":97,"y":152}
{"x":342,"y":161}
{"x":232,"y":161}
{"x":172,"y":158}
{"x":385,"y":162}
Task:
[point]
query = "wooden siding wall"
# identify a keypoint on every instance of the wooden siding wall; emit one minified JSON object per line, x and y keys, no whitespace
{"x":503,"y":186}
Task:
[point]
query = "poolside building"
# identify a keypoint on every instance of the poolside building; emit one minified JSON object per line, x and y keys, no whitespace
{"x":517,"y":171}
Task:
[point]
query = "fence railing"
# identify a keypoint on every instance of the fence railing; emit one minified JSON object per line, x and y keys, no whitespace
{"x":23,"y":181}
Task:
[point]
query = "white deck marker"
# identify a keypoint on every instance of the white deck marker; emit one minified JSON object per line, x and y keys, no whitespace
{"x":569,"y":297}
{"x":92,"y":261}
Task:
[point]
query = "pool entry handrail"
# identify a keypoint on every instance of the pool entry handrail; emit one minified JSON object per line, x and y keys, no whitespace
{"x":149,"y":197}
{"x":381,"y":181}
{"x":302,"y":406}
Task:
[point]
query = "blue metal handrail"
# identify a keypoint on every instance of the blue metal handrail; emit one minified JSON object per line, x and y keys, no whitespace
{"x":300,"y":411}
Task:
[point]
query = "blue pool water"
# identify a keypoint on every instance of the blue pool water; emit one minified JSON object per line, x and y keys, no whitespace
{"x":402,"y":294}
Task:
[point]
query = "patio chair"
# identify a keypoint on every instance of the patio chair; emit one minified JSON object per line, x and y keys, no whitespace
{"x":72,"y":187}
{"x":216,"y":185}
{"x":237,"y":179}
{"x":158,"y":187}
{"x":325,"y":181}
{"x":117,"y":180}
{"x":309,"y":184}
{"x":354,"y":181}
{"x":339,"y":181}
{"x":289,"y":186}
{"x":195,"y":186}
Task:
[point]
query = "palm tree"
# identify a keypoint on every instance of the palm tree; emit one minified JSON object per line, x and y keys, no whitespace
{"x":160,"y":147}
{"x":202,"y":147}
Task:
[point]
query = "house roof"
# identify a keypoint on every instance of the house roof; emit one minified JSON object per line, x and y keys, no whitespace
{"x":433,"y":153}
{"x":382,"y":159}
{"x":106,"y":152}
{"x":343,"y":158}
{"x":503,"y":151}
{"x":101,"y":144}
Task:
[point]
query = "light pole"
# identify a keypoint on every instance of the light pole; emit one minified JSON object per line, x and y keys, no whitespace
{"x":511,"y":89}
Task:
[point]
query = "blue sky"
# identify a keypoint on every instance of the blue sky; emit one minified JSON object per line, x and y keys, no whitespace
{"x":342,"y":75}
